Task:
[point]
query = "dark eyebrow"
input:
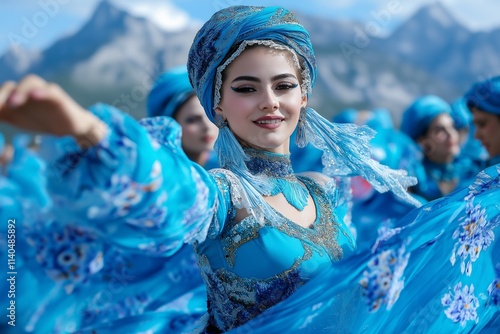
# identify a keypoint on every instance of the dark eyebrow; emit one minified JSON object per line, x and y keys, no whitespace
{"x":246,"y":78}
{"x":255,"y":79}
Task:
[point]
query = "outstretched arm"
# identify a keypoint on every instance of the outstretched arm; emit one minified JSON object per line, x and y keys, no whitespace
{"x":132,"y":182}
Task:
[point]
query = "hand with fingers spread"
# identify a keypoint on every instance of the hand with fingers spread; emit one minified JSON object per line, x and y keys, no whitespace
{"x":37,"y":105}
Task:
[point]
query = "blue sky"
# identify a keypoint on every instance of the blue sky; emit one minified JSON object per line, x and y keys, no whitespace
{"x":35,"y":24}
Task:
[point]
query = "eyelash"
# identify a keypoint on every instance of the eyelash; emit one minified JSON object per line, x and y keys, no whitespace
{"x":283,"y":86}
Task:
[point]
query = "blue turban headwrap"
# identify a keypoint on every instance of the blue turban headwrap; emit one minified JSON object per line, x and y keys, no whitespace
{"x":421,"y":113}
{"x":485,"y":95}
{"x":347,"y":115}
{"x":226,"y":29}
{"x":461,"y":115}
{"x":345,"y":147}
{"x":170,"y":90}
{"x":382,"y":119}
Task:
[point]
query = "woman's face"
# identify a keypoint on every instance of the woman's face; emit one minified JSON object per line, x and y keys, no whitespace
{"x":487,"y":131}
{"x":441,"y":142}
{"x":261,"y":98}
{"x":198,"y":133}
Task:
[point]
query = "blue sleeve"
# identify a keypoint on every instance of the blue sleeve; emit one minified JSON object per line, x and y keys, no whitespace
{"x":136,"y":186}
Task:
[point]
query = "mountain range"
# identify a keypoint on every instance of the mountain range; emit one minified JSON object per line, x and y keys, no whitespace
{"x":115,"y":57}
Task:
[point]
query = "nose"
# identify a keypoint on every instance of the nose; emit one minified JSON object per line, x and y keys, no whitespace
{"x":206,"y":123}
{"x":451,"y":133}
{"x":269,"y":100}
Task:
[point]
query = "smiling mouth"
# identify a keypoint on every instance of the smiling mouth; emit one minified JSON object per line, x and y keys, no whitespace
{"x":269,"y":121}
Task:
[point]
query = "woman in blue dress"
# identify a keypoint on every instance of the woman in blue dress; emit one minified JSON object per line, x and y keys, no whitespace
{"x":483,"y":99}
{"x":172,"y":95}
{"x":429,"y":123}
{"x":264,"y":237}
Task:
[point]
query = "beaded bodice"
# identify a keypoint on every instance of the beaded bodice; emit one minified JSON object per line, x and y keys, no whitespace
{"x":249,"y":266}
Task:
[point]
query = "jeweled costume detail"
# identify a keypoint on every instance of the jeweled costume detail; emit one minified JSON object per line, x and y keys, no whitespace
{"x":289,"y":255}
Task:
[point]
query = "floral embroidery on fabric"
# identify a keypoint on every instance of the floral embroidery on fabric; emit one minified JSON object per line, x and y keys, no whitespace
{"x":494,"y":289}
{"x":116,"y":140}
{"x":130,"y":306}
{"x":474,"y":234}
{"x":200,"y":213}
{"x":68,"y":254}
{"x":383,"y":280}
{"x":462,"y":304}
{"x":483,"y":183}
{"x":164,"y":131}
{"x":124,"y":193}
{"x":154,"y":216}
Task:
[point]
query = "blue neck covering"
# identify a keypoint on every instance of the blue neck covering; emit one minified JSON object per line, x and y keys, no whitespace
{"x":485,"y":95}
{"x":421,"y":113}
{"x":441,"y":171}
{"x":345,"y":147}
{"x":169,"y":92}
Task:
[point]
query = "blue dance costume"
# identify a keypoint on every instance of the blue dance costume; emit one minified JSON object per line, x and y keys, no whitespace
{"x":264,"y":272}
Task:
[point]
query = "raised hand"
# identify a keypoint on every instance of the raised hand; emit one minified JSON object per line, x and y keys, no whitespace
{"x":37,"y":105}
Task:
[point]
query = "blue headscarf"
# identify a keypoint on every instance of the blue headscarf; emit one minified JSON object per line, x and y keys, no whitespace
{"x":345,"y":147}
{"x":347,"y":115}
{"x":226,"y":29}
{"x":485,"y":95}
{"x":382,"y":119}
{"x":462,"y":117}
{"x":169,"y":92}
{"x":421,"y":113}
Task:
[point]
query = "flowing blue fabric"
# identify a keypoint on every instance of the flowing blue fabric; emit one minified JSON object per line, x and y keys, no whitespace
{"x":137,"y":192}
{"x":485,"y":95}
{"x":91,"y":255}
{"x":421,"y":276}
{"x":170,"y":90}
{"x":419,"y":115}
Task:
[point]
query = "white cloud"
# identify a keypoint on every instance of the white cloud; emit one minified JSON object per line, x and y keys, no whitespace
{"x":162,"y":13}
{"x":476,"y":15}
